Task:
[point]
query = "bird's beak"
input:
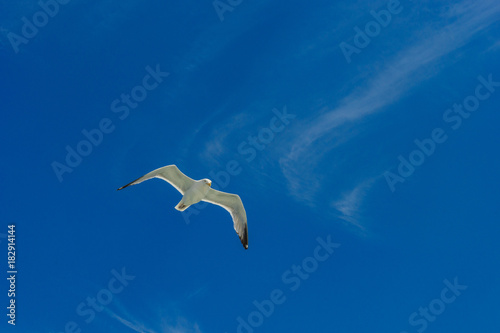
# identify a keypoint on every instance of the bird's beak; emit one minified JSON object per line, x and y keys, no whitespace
{"x":210,"y":184}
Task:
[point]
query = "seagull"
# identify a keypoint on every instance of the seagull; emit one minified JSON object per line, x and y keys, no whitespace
{"x":194,"y":191}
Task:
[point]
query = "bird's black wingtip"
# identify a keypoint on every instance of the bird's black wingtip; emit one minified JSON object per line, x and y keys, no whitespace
{"x":244,"y":239}
{"x":131,"y":183}
{"x":121,"y":188}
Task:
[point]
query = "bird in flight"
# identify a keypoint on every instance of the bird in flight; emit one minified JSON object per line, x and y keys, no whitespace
{"x":194,"y":191}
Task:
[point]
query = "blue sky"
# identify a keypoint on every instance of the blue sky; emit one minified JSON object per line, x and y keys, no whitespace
{"x":372,"y":206}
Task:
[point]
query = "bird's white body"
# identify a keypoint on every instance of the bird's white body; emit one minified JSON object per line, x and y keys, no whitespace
{"x":194,"y":191}
{"x":197,"y":192}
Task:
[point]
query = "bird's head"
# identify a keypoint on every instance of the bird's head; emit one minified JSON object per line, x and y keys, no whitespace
{"x":207,"y":181}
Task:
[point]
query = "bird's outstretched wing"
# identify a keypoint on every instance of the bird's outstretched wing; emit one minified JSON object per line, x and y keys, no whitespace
{"x":233,"y":204}
{"x":170,"y":174}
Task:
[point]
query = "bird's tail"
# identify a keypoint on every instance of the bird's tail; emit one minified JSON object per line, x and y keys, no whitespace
{"x":181,"y":206}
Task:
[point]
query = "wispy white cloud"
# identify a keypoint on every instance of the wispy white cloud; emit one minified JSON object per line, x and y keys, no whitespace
{"x":138,"y":327}
{"x":400,"y":73}
{"x":181,"y":326}
{"x":218,"y":137}
{"x":349,"y":204}
{"x":405,"y":70}
{"x":197,"y":292}
{"x":216,"y":143}
{"x":494,"y":47}
{"x":164,"y":320}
